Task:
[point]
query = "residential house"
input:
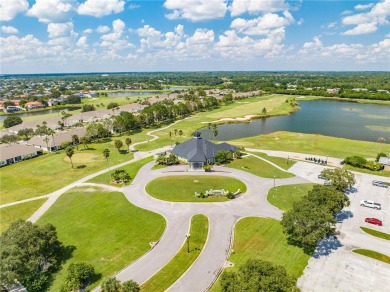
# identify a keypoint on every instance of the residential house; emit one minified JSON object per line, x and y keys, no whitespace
{"x":14,"y":153}
{"x":52,"y":143}
{"x":33,"y":105}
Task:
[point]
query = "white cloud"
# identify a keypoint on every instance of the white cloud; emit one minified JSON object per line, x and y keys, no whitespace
{"x":239,"y":7}
{"x":9,"y":29}
{"x":363,"y":28}
{"x":133,"y":6}
{"x":116,"y":40}
{"x":368,"y":22}
{"x":87,"y":31}
{"x":346,"y":12}
{"x":387,"y":36}
{"x":99,"y":8}
{"x":364,"y":7}
{"x":10,"y":8}
{"x":102,"y":29}
{"x":300,"y":22}
{"x":196,"y":10}
{"x":82,"y":42}
{"x":263,"y":24}
{"x":332,"y":24}
{"x":14,"y":48}
{"x":56,"y":30}
{"x":52,"y":10}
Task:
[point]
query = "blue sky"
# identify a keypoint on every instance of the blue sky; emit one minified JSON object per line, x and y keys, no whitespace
{"x":43,"y":36}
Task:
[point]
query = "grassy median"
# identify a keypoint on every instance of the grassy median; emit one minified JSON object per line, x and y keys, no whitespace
{"x":283,"y":197}
{"x":373,"y":254}
{"x":176,"y":267}
{"x":258,"y":167}
{"x":183,"y":188}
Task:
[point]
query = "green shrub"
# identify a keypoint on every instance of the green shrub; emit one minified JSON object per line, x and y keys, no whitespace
{"x":12,"y":121}
{"x":356,"y":161}
{"x":120,"y":176}
{"x":372,"y":165}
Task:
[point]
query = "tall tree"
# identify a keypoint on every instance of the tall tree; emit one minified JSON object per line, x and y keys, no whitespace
{"x":128,"y":142}
{"x":180,"y":133}
{"x":46,"y":139}
{"x":27,"y":132}
{"x":51,"y":132}
{"x":69,"y":152}
{"x":215,"y":130}
{"x":79,"y":274}
{"x":209,"y":126}
{"x":340,"y":179}
{"x":258,"y":275}
{"x":76,"y":140}
{"x":118,"y":144}
{"x":29,"y":253}
{"x":106,"y":154}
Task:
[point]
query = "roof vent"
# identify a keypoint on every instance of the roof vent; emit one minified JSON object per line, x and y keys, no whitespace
{"x":197,"y":135}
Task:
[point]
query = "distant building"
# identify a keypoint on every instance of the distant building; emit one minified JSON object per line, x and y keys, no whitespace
{"x":33,"y":105}
{"x":333,"y":90}
{"x":199,"y":152}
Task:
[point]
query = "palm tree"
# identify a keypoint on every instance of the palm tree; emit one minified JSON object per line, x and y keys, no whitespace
{"x":76,"y":140}
{"x":69,"y":152}
{"x":381,"y":140}
{"x":46,"y":139}
{"x":51,"y":132}
{"x":111,"y":285}
{"x":128,"y":142}
{"x":106,"y":154}
{"x":118,"y":144}
{"x":170,"y":135}
{"x":175,"y":130}
{"x":215,"y":130}
{"x":180,"y":132}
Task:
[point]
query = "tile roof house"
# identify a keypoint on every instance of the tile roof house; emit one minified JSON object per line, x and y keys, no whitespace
{"x":199,"y":152}
{"x":10,"y":154}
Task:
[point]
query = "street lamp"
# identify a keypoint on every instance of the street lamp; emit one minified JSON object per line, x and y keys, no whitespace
{"x":188,"y":242}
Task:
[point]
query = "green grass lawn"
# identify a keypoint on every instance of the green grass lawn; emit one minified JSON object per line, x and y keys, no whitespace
{"x":131,"y":168}
{"x":21,"y":211}
{"x":376,"y":233}
{"x":50,"y":172}
{"x":279,"y":161}
{"x":312,"y":144}
{"x":258,"y":167}
{"x":283,"y":197}
{"x":182,"y":188}
{"x":373,"y":254}
{"x":262,"y":238}
{"x":176,"y":267}
{"x":105,"y":229}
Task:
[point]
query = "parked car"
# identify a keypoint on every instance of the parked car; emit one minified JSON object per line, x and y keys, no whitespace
{"x":380,"y":184}
{"x":320,"y":176}
{"x":374,"y":221}
{"x":327,"y":183}
{"x":370,"y":204}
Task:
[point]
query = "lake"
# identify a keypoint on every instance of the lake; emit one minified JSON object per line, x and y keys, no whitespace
{"x":134,"y":93}
{"x":349,"y":120}
{"x":23,"y":114}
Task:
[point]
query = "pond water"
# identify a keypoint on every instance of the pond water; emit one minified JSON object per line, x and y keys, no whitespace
{"x":349,"y":120}
{"x":134,"y":93}
{"x":23,"y":114}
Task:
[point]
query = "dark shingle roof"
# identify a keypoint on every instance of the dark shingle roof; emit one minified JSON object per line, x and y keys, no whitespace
{"x":199,"y":150}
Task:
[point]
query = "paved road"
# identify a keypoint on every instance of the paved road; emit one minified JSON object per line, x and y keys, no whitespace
{"x":222,"y":217}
